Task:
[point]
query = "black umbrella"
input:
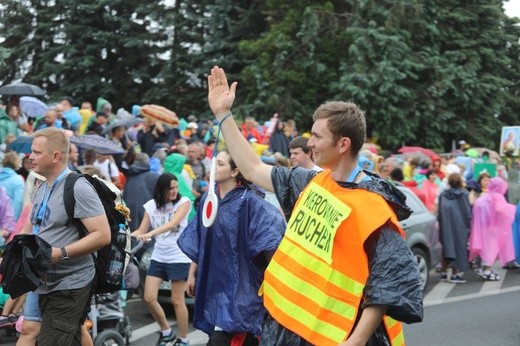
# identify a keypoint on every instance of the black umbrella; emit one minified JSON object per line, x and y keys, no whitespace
{"x":100,"y":144}
{"x":21,"y":89}
{"x":25,"y":261}
{"x":23,"y":144}
{"x":126,"y":123}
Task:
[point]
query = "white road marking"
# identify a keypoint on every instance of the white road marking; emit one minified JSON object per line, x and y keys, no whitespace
{"x":474,"y":295}
{"x":438,"y":294}
{"x":195,"y":337}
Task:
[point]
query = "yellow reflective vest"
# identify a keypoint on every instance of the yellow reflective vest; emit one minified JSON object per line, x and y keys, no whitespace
{"x":314,"y":283}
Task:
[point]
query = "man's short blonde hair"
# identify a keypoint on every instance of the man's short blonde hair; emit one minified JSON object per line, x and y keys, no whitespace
{"x":56,"y":141}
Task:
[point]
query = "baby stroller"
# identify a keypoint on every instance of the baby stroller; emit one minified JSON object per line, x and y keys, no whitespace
{"x":109,"y":325}
{"x":106,"y":319}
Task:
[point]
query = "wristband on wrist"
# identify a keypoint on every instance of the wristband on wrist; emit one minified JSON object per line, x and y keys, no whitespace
{"x":64,"y":254}
{"x":228,"y":114}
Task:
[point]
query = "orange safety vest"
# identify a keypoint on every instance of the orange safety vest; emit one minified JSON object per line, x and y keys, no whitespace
{"x":314,"y":283}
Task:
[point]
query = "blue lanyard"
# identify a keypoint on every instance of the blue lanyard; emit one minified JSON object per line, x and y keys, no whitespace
{"x":354,"y":174}
{"x":45,"y":200}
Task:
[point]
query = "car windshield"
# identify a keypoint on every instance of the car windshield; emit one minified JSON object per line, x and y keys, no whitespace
{"x":412,"y":202}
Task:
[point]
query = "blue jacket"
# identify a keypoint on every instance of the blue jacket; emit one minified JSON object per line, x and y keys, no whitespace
{"x":13,"y":185}
{"x":230,"y":260}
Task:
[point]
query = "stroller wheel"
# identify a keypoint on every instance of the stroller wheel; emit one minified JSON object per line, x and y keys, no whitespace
{"x":128,"y":329}
{"x":109,"y":337}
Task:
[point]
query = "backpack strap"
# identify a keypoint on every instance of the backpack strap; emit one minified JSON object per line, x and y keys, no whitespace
{"x":203,"y":169}
{"x":70,"y":201}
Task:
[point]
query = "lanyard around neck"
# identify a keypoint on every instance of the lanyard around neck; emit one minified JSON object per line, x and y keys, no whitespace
{"x":353,"y":176}
{"x":45,"y":200}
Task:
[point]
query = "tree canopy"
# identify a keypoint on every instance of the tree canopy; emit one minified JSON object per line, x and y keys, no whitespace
{"x":426,"y":73}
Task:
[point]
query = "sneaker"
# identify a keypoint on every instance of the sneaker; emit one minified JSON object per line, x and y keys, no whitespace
{"x":167,"y":340}
{"x":512,"y":265}
{"x":455,"y":279}
{"x":13,"y":318}
{"x":444,"y":276}
{"x":4,"y":322}
{"x":181,"y":343}
{"x":490,"y":275}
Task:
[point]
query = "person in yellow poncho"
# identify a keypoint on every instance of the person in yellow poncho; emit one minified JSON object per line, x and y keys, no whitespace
{"x":257,"y":147}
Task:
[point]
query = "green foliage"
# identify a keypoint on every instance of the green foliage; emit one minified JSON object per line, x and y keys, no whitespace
{"x":380,"y":73}
{"x":465,"y":63}
{"x":426,"y":73}
{"x":291,"y":65}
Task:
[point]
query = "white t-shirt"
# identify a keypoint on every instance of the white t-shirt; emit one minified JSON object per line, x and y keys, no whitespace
{"x":103,"y":167}
{"x":317,"y":168}
{"x":166,"y":249}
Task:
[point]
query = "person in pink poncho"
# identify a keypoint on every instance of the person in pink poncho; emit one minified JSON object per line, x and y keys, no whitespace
{"x":491,"y":229}
{"x":429,"y":188}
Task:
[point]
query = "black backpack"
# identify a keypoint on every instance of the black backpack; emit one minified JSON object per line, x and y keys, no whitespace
{"x":110,"y":260}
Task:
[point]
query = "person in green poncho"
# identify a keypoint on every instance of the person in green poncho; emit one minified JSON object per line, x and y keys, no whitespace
{"x":7,"y":126}
{"x":174,"y":164}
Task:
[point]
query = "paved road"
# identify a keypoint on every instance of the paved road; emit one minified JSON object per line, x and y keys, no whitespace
{"x":446,"y":304}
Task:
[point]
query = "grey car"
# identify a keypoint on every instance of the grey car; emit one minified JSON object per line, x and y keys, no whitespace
{"x":421,"y":236}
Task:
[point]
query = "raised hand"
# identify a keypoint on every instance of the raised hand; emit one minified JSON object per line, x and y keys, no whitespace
{"x":220,"y":95}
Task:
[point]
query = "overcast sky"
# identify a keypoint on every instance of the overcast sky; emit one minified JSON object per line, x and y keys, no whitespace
{"x":512,"y":8}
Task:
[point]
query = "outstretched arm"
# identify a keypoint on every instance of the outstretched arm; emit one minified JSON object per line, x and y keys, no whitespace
{"x":221,"y":97}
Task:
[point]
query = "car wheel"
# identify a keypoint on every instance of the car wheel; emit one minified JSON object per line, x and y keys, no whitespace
{"x":422,"y":263}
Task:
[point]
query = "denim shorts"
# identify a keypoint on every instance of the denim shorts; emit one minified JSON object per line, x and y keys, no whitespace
{"x":31,"y":310}
{"x":169,"y":271}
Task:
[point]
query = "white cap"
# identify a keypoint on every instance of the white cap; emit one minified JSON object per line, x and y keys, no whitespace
{"x":193,"y":125}
{"x":462,"y":142}
{"x":452,"y":168}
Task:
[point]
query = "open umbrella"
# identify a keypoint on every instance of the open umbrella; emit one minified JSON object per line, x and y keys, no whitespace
{"x":126,"y":123}
{"x":160,"y":113}
{"x":33,"y":107}
{"x":428,"y":152}
{"x":22,"y":144}
{"x":99,"y":144}
{"x":21,"y":89}
{"x":493,"y":155}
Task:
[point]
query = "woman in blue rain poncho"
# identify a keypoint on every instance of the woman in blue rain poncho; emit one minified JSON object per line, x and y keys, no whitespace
{"x":230,"y":256}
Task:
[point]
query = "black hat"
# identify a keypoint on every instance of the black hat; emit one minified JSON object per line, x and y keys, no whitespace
{"x":69,"y":100}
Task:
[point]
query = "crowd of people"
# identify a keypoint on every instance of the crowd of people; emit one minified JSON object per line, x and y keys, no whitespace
{"x":289,"y":225}
{"x":475,"y":210}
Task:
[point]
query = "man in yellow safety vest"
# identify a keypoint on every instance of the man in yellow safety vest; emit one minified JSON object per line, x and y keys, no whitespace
{"x":343,"y":273}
